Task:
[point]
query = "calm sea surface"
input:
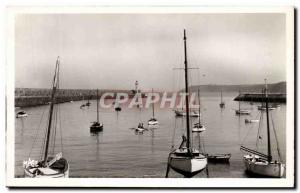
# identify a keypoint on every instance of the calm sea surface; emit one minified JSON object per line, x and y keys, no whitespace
{"x":120,"y":152}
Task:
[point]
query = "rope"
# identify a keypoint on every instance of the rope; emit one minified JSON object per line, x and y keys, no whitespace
{"x":244,"y":139}
{"x":258,"y":131}
{"x":277,"y":144}
{"x":36,"y":133}
{"x":173,"y":136}
{"x":62,"y":149}
{"x":44,"y":141}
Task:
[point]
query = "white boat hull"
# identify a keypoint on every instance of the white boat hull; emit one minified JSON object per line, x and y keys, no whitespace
{"x":242,"y":112}
{"x":188,"y":166}
{"x":36,"y":171}
{"x":58,"y":175}
{"x":152,"y":122}
{"x":24,"y":115}
{"x":182,"y":113}
{"x":251,"y":121}
{"x":197,"y":129}
{"x":264,"y":168}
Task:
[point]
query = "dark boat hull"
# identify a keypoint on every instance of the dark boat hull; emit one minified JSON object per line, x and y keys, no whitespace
{"x":219,"y":158}
{"x":96,"y":128}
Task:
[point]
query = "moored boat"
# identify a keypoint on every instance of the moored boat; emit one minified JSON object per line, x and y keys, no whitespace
{"x":261,"y":164}
{"x":185,"y":159}
{"x":219,"y":157}
{"x":49,"y":166}
{"x":251,"y":120}
{"x":182,"y":113}
{"x":242,"y":111}
{"x":21,"y":114}
{"x":198,"y":127}
{"x":153,"y":120}
{"x":96,"y":125}
{"x":222,"y":103}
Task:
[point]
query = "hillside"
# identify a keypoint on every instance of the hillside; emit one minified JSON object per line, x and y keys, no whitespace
{"x":279,"y":87}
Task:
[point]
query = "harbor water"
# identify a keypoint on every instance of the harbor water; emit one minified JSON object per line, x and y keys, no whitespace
{"x":119,"y":152}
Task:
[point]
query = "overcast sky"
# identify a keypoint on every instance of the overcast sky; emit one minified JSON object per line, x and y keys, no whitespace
{"x":112,"y":51}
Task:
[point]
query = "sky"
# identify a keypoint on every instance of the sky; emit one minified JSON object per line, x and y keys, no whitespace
{"x":112,"y":51}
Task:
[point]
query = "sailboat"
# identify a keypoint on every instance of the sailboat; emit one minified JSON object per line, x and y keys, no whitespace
{"x":198,"y":127}
{"x":49,"y":166}
{"x":259,"y":163}
{"x":181,"y":113}
{"x":96,"y":126}
{"x":83,"y":105}
{"x":222,"y":104}
{"x":242,"y":111}
{"x":117,"y":107}
{"x":88,"y":102}
{"x":153,"y":120}
{"x":262,"y":107}
{"x":186,"y":160}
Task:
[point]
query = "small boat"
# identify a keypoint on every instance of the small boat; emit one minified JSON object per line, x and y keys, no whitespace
{"x":118,"y":109}
{"x":117,"y":106}
{"x":88,"y":102}
{"x":276,"y":105}
{"x":219,"y":157}
{"x":251,"y":120}
{"x":181,"y":113}
{"x":242,"y":111}
{"x":198,"y":127}
{"x":261,"y":164}
{"x":153,"y":120}
{"x":96,"y":125}
{"x":140,"y":127}
{"x":222,"y":104}
{"x":82,"y":106}
{"x":263,"y":108}
{"x":50,"y":166}
{"x":186,"y":160}
{"x":21,"y":114}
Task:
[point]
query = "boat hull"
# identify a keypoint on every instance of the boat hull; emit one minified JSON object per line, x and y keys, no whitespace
{"x":197,"y":129}
{"x":20,"y":116}
{"x":220,"y":158}
{"x":251,"y":121}
{"x":275,"y":170}
{"x":182,"y":113}
{"x":96,"y":128}
{"x":188,"y":166}
{"x":58,"y":174}
{"x":152,"y":122}
{"x":242,"y":112}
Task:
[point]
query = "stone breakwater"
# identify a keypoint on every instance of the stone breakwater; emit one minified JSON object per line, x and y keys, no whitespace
{"x":27,"y":97}
{"x":259,"y":97}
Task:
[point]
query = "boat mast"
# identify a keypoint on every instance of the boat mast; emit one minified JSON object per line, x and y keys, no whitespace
{"x":221,"y":97}
{"x":199,"y":105}
{"x":54,"y":87}
{"x":152,"y":106}
{"x":186,"y":96}
{"x":97,"y":107}
{"x":268,"y":126}
{"x":239,"y":101}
